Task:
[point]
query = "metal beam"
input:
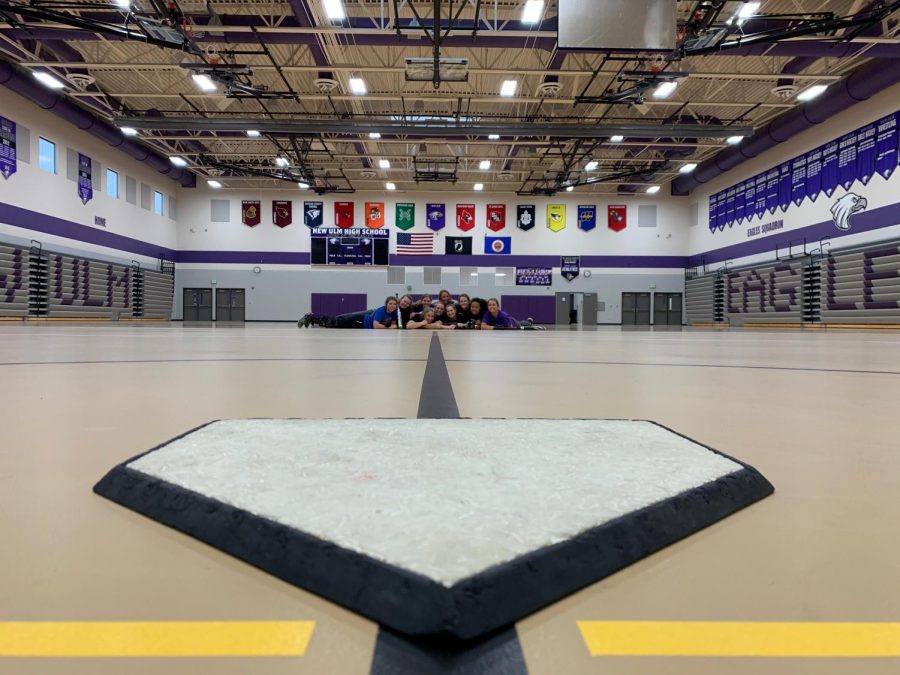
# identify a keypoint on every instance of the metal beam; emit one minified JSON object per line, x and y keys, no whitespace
{"x":316,"y":127}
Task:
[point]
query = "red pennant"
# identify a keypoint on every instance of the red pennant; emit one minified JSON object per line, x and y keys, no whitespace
{"x":465,"y":216}
{"x":617,"y":217}
{"x":282,"y":213}
{"x":343,"y":214}
{"x":496,"y":217}
{"x":251,"y":213}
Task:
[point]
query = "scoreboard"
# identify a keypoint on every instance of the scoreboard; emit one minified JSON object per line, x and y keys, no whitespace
{"x":350,"y":246}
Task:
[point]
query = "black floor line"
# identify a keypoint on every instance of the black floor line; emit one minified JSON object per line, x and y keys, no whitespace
{"x":436,"y":401}
{"x":225,"y":360}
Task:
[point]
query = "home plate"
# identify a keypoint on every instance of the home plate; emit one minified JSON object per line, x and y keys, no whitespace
{"x":447,"y":527}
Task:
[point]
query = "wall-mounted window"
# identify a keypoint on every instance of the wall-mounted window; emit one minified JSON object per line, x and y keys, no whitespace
{"x":505,"y":276}
{"x":468,"y":276}
{"x":47,"y":155}
{"x":112,"y":183}
{"x":158,"y":203}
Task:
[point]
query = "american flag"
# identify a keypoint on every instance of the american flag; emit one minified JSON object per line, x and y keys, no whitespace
{"x":415,"y":244}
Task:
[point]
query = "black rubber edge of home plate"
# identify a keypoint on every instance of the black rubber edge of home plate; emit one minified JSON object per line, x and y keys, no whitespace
{"x":411,"y":605}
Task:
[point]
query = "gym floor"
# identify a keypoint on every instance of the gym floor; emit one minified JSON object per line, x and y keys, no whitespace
{"x":815,"y":412}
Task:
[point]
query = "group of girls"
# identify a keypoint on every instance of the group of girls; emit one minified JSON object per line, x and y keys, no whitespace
{"x":405,"y":313}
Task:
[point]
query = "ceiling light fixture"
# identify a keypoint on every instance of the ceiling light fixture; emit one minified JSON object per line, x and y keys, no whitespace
{"x":390,"y":186}
{"x":493,"y":137}
{"x":616,"y":139}
{"x":303,"y":186}
{"x":374,"y":135}
{"x":129,"y":131}
{"x":48,"y":80}
{"x":384,"y":164}
{"x":592,"y":165}
{"x":178,"y":161}
{"x":533,"y":11}
{"x":570,"y":188}
{"x":214,"y":184}
{"x":253,"y":133}
{"x":282,"y":162}
{"x":358,"y":86}
{"x":665,"y":89}
{"x":748,"y":9}
{"x":478,"y":187}
{"x":508,"y":88}
{"x":813,"y":92}
{"x":204,"y":82}
{"x":734,"y":140}
{"x":484,"y":164}
{"x":653,"y":189}
{"x":687,"y":168}
{"x":334,"y":10}
{"x":124,"y":4}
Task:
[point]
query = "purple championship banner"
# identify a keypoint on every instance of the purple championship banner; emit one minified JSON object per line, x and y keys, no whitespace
{"x":534,"y":276}
{"x":856,"y":156}
{"x":570,"y":267}
{"x":85,"y":179}
{"x":7,"y":147}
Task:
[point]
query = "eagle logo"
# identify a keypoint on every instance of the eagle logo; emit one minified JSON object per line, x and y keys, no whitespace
{"x":845,"y":207}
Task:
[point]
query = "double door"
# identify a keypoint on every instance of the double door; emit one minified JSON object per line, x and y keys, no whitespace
{"x":576,"y":308}
{"x":635,"y":309}
{"x":230,"y":304}
{"x":667,"y":309}
{"x":197,"y":304}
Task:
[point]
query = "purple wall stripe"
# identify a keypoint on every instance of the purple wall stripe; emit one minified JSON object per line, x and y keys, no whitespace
{"x":866,"y":221}
{"x":39,"y":222}
{"x":245,"y":257}
{"x":654,"y":261}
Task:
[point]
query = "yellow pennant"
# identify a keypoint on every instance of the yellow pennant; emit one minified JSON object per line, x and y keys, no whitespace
{"x":556,"y":217}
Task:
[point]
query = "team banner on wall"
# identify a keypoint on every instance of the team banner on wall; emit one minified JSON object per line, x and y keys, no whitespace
{"x":85,"y":178}
{"x":854,"y":157}
{"x":435,"y":216}
{"x":886,"y":146}
{"x":534,"y":276}
{"x":404,"y":216}
{"x":375,"y":215}
{"x":525,"y":216}
{"x":498,"y":245}
{"x":250,"y":213}
{"x":7,"y":147}
{"x":343,"y":214}
{"x":458,"y":245}
{"x":587,"y":217}
{"x":496,"y":217}
{"x":617,"y":217}
{"x":313,"y":214}
{"x":282,"y":213}
{"x":570,"y":267}
{"x":556,"y":217}
{"x":465,"y":216}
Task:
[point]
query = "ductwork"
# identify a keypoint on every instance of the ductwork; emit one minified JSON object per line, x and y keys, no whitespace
{"x":30,"y":89}
{"x":860,"y":86}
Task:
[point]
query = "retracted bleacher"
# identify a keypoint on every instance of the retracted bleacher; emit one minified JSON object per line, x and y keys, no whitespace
{"x":861,"y":285}
{"x":82,"y":287}
{"x":14,"y":267}
{"x":159,"y":288}
{"x":767,"y":294}
{"x":699,"y":299}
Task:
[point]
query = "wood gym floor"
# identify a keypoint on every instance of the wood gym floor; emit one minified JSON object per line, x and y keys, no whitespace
{"x":817,"y":413}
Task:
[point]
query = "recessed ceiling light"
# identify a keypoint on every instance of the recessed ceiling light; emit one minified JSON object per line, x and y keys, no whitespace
{"x":533,"y":11}
{"x":129,"y":131}
{"x":748,"y":9}
{"x":357,"y":86}
{"x":124,"y":4}
{"x":653,"y":189}
{"x":374,"y":135}
{"x":204,"y":81}
{"x":493,"y":137}
{"x":334,"y":10}
{"x":484,"y":164}
{"x":390,"y":186}
{"x":734,"y":140}
{"x":616,"y":139}
{"x":687,"y":168}
{"x":592,"y":165}
{"x":384,"y":164}
{"x":281,"y":161}
{"x":178,"y":161}
{"x":214,"y":184}
{"x":478,"y":187}
{"x":303,"y":186}
{"x":665,"y":89}
{"x":48,"y":80}
{"x":570,"y":188}
{"x":508,"y":88}
{"x":813,"y":92}
{"x":253,"y":133}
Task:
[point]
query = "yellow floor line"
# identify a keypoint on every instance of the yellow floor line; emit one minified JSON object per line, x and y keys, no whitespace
{"x":154,"y":638}
{"x":770,"y":639}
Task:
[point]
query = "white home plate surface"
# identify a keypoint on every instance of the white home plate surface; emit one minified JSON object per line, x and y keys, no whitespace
{"x":428,"y":525}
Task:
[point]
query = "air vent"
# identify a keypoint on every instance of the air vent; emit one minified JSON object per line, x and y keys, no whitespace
{"x":506,"y":175}
{"x":785,"y":91}
{"x":549,"y":89}
{"x":325,"y":85}
{"x":80,"y":81}
{"x":367,"y":173}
